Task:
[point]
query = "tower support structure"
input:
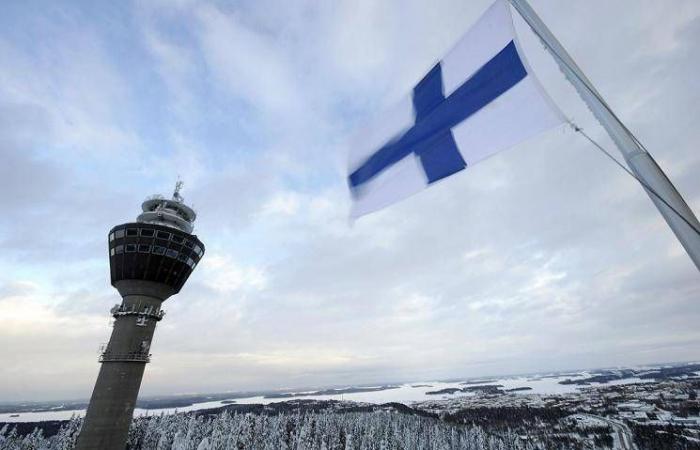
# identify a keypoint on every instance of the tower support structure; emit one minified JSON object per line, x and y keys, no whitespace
{"x":150,"y":260}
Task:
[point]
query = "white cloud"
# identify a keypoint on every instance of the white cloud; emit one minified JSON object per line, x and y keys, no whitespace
{"x":73,"y":82}
{"x":250,"y":65}
{"x":286,"y":204}
{"x":224,"y":275}
{"x":546,"y":256}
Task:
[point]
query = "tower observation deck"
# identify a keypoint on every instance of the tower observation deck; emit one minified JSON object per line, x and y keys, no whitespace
{"x":149,"y":260}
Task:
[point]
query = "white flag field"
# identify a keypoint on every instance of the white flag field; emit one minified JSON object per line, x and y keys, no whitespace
{"x":478,"y":100}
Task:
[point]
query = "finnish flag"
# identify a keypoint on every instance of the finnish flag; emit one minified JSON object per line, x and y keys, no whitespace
{"x":480,"y":99}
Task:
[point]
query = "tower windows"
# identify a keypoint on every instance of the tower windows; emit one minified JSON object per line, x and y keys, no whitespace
{"x":111,"y":237}
{"x":163,"y":235}
{"x":119,"y":234}
{"x":198,"y":250}
{"x":147,"y":232}
{"x":189,"y":244}
{"x":157,"y":250}
{"x":132,"y":232}
{"x":176,"y":238}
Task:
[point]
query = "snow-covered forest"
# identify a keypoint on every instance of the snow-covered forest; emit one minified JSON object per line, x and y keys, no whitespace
{"x":324,"y":430}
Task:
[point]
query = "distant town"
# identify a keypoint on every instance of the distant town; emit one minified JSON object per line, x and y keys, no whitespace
{"x":660,"y":409}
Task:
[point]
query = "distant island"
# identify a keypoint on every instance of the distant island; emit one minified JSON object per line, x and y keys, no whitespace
{"x":485,"y":380}
{"x":444,"y":391}
{"x":661,"y":373}
{"x":484,"y":389}
{"x":349,"y":390}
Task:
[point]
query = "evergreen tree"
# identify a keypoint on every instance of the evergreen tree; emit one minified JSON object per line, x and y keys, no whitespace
{"x":326,"y":430}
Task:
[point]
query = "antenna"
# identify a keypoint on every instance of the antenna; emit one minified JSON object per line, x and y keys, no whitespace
{"x":176,"y":194}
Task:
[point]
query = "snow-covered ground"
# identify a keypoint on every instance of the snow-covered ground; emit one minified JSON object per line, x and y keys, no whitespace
{"x":405,"y":393}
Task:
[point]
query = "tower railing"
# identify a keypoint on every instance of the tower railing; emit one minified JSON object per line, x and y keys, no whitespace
{"x":143,"y":357}
{"x":148,"y":312}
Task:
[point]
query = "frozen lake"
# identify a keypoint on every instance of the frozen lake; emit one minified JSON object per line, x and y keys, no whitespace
{"x":405,"y":393}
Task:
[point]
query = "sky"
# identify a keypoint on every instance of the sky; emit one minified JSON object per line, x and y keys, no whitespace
{"x":544,"y":257}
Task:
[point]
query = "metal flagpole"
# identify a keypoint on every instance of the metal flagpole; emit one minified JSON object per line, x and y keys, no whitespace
{"x":673,"y":208}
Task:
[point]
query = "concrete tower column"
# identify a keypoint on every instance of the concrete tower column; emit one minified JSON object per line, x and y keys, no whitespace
{"x":111,"y":408}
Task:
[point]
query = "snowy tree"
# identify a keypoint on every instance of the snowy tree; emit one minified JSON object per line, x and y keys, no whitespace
{"x":326,"y":430}
{"x":204,"y":445}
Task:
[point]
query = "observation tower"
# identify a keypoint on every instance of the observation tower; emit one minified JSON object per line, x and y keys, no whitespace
{"x":149,"y":261}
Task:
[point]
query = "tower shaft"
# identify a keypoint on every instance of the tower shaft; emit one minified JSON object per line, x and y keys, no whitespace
{"x":111,"y":408}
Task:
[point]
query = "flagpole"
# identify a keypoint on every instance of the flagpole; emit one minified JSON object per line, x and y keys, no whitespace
{"x":671,"y":205}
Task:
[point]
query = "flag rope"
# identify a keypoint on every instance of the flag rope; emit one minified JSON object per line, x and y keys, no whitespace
{"x":579,"y":130}
{"x":605,"y":105}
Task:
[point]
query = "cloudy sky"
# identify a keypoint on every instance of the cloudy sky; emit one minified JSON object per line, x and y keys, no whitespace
{"x":544,"y":257}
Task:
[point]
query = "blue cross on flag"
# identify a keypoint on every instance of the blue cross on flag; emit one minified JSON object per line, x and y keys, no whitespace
{"x":480,"y":99}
